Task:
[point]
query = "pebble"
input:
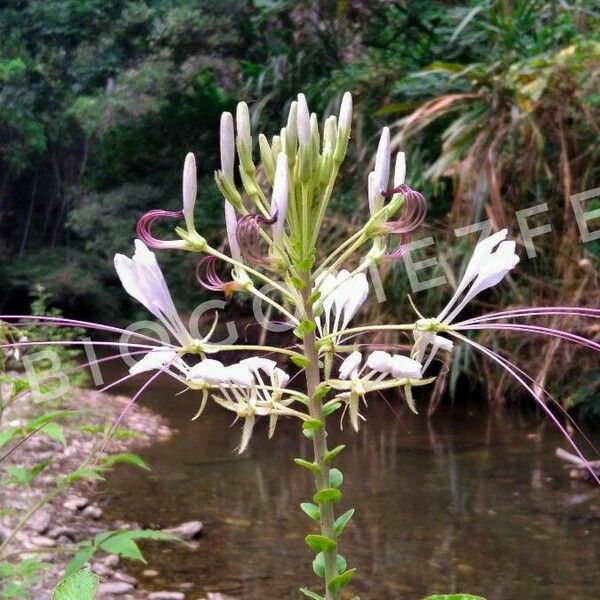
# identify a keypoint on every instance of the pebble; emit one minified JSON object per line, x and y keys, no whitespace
{"x":112,"y":560}
{"x":150,"y":573}
{"x":116,"y":588}
{"x":40,"y":522}
{"x":166,"y":596}
{"x":126,"y":578}
{"x":101,"y":569}
{"x":63,"y":532}
{"x":186,"y":531}
{"x":74,"y":503}
{"x":93,"y":512}
{"x":43,"y":541}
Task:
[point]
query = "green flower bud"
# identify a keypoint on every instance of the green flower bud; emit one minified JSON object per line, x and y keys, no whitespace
{"x":266,"y":156}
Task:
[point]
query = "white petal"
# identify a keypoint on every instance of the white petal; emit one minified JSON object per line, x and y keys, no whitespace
{"x":154,"y":360}
{"x":279,"y":378}
{"x":405,"y":367}
{"x":240,"y":375}
{"x":209,"y":371}
{"x":400,"y":169}
{"x":254,"y":363}
{"x":242,"y":121}
{"x":380,"y":361}
{"x":350,"y":365}
{"x":358,"y":291}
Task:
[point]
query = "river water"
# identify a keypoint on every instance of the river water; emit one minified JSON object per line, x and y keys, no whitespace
{"x":473,"y":501}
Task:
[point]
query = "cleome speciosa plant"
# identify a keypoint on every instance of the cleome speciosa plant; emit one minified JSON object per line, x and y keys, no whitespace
{"x":276,"y":195}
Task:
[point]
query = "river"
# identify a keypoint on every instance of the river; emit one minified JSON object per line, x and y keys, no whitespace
{"x":473,"y":501}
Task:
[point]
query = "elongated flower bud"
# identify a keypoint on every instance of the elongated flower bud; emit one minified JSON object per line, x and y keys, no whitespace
{"x":227,"y":139}
{"x":303,"y":121}
{"x":244,"y":137}
{"x":291,"y":130}
{"x":231,"y":226}
{"x":276,"y":146}
{"x":329,"y":135}
{"x":382,"y":161}
{"x":315,"y":136}
{"x":189,"y":190}
{"x":399,"y":171}
{"x":344,"y":127}
{"x":266,"y":157}
{"x":279,"y":199}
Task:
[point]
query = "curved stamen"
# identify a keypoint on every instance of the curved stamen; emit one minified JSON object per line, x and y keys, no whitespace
{"x":144,"y":225}
{"x":248,"y":237}
{"x":212,"y":281}
{"x":538,"y":311}
{"x":413,"y":214}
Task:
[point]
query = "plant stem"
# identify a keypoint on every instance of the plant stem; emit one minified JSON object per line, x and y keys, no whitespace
{"x":319,"y":439}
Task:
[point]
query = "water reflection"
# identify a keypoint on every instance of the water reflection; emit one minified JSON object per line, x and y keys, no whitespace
{"x":469,"y":501}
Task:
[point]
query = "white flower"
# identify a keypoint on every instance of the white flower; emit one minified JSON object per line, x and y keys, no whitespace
{"x":492,"y":259}
{"x":341,"y":297}
{"x":209,"y":372}
{"x":142,"y":279}
{"x":396,"y":365}
{"x":242,"y":121}
{"x":189,"y":190}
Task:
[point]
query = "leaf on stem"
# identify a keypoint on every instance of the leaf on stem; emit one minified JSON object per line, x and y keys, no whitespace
{"x":342,"y":521}
{"x":320,"y":543}
{"x":341,"y":580}
{"x":327,"y":495}
{"x":311,"y":466}
{"x":312,"y":510}
{"x":336,"y":478}
{"x":331,"y":454}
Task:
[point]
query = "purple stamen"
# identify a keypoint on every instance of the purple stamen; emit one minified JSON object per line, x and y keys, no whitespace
{"x":212,"y":281}
{"x":567,"y":311}
{"x":413,"y":214}
{"x":143,"y":228}
{"x":248,"y":237}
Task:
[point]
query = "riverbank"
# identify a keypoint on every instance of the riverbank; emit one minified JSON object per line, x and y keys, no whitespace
{"x":78,"y":514}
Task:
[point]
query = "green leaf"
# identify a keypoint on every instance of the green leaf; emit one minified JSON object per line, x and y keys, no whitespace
{"x":320,"y":543}
{"x":310,"y":594}
{"x":342,"y":521}
{"x":312,"y":510}
{"x":123,"y":543}
{"x":327,"y":495}
{"x":312,"y":424}
{"x":84,"y":554}
{"x":329,"y":456}
{"x":311,"y":466}
{"x":6,"y":436}
{"x":336,"y":478}
{"x":321,"y":391}
{"x":318,"y":565}
{"x":300,"y":361}
{"x":454,"y":597}
{"x":79,"y":586}
{"x":341,"y":580}
{"x":127,"y":458}
{"x":331,"y":407}
{"x":54,"y":432}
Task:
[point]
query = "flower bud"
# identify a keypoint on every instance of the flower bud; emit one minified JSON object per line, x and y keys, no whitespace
{"x":382,"y":161}
{"x":228,"y":189}
{"x":291,"y":130}
{"x":303,"y":121}
{"x":399,"y":171}
{"x":344,"y":126}
{"x":227,"y":140}
{"x":315,"y":136}
{"x":231,"y":226}
{"x":189,"y":190}
{"x":266,"y":156}
{"x":329,"y":135}
{"x":244,"y":137}
{"x":279,"y":199}
{"x":275,"y":146}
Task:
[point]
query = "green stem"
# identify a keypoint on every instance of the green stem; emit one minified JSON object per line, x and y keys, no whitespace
{"x":319,"y":439}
